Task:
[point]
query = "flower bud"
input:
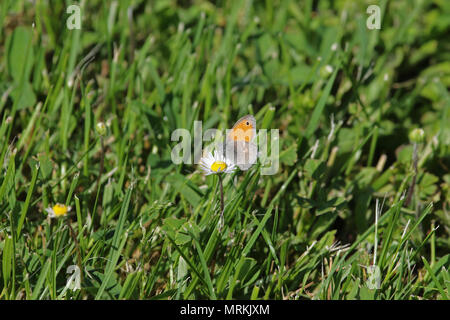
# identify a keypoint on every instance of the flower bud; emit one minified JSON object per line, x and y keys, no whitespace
{"x":417,"y":135}
{"x":101,"y":128}
{"x":326,"y":71}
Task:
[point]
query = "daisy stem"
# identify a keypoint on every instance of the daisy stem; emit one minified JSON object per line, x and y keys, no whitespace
{"x":221,"y":223}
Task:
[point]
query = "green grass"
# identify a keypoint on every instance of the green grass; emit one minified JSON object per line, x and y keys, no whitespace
{"x":142,"y":227}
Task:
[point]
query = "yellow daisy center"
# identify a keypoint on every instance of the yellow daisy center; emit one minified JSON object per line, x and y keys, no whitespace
{"x":59,"y":209}
{"x":218,"y":166}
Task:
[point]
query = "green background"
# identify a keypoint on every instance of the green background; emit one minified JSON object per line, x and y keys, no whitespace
{"x":344,"y":98}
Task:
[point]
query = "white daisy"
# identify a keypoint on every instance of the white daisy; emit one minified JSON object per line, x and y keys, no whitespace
{"x":58,"y":210}
{"x":217,"y":163}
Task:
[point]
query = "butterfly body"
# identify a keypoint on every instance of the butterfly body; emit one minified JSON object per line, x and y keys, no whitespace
{"x":239,"y":145}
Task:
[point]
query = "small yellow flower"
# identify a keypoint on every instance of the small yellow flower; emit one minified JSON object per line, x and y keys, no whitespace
{"x":58,"y":210}
{"x":214,"y":164}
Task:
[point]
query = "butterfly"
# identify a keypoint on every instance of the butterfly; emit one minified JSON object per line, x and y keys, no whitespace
{"x":240,"y":143}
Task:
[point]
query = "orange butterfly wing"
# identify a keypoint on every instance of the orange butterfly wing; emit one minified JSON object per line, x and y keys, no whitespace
{"x":244,"y":129}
